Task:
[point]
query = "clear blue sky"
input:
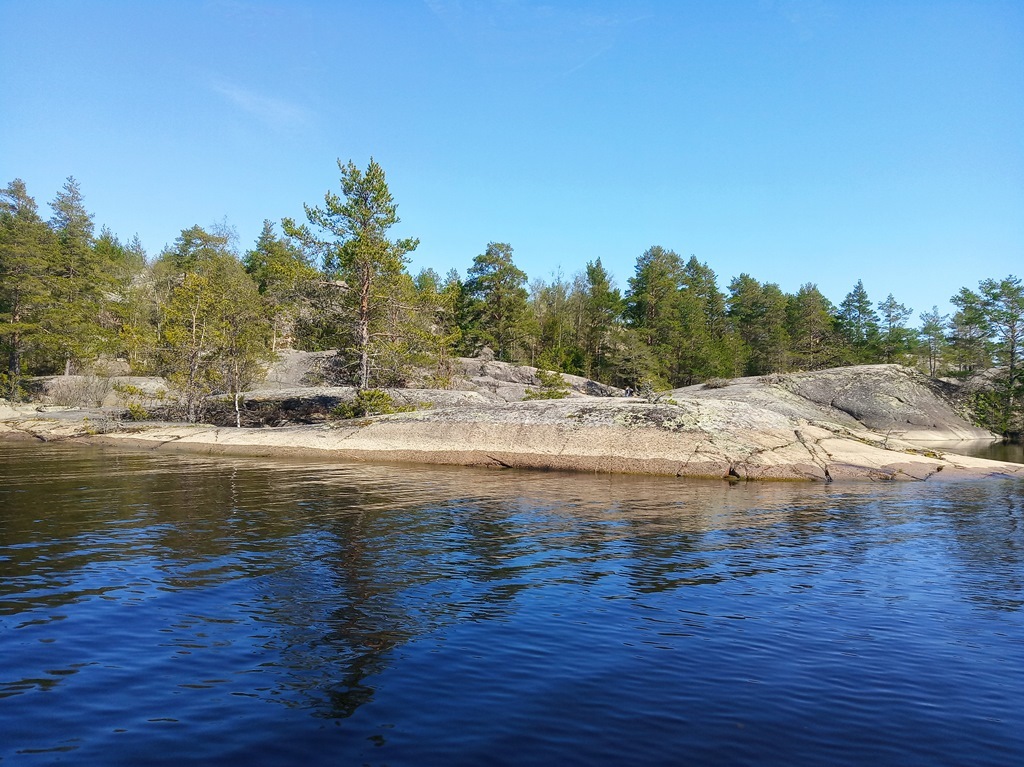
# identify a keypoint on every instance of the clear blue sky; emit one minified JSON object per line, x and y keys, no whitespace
{"x":795,"y":140}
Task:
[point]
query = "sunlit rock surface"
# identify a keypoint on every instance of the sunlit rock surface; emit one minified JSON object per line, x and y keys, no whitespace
{"x":809,"y":426}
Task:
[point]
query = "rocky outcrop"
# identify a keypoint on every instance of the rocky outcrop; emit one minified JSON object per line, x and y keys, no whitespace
{"x":692,"y":438}
{"x":809,"y":426}
{"x":510,"y":383}
{"x":294,"y":368}
{"x":497,"y":381}
{"x":889,"y":399}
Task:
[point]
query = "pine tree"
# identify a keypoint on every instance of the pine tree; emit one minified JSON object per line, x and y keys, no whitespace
{"x":758,"y":313}
{"x":968,"y":339}
{"x":653,"y":311}
{"x":355,"y":249}
{"x":79,"y":283}
{"x":810,"y":324}
{"x":896,"y":338}
{"x":1003,"y":304}
{"x":602,"y":309}
{"x":498,"y":311}
{"x":213,"y":327}
{"x":285,"y":278}
{"x":933,"y":338}
{"x":858,"y":325}
{"x":28,"y":249}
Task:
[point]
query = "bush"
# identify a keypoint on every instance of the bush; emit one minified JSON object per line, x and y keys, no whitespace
{"x":369,"y":402}
{"x":137,"y":412}
{"x":136,"y":400}
{"x":79,"y":391}
{"x":552,"y":386}
{"x":716,"y":383}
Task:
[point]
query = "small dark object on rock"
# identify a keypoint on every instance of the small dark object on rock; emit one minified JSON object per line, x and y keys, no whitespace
{"x":733,"y":474}
{"x":828,"y":477}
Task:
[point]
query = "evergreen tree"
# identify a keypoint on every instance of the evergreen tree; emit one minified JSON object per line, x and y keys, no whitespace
{"x":653,"y":311}
{"x":214,"y":331}
{"x":858,"y":325}
{"x":896,"y":338}
{"x":28,"y":249}
{"x":285,"y":278}
{"x":355,"y":248}
{"x":79,"y":282}
{"x":758,"y":313}
{"x":434,"y":329}
{"x":933,"y":338}
{"x":651,"y":293}
{"x":498,"y":310}
{"x":633,"y":362}
{"x":555,"y":307}
{"x":601,"y":308}
{"x":968,"y":339}
{"x":810,"y":324}
{"x":1003,"y":304}
{"x":123,"y":265}
{"x":708,"y":348}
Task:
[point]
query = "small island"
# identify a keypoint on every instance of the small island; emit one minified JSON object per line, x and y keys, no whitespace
{"x":871,"y":422}
{"x":320,"y":342}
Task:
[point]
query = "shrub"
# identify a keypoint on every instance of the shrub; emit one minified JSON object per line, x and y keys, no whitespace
{"x":552,"y":386}
{"x":137,"y":412}
{"x":716,"y":383}
{"x":370,"y":402}
{"x":79,"y":391}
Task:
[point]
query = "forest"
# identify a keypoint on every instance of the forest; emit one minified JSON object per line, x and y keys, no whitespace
{"x":209,"y":316}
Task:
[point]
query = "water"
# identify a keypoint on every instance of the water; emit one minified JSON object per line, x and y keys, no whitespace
{"x":159,"y":610}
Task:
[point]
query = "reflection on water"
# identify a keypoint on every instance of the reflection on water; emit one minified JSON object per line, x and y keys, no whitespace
{"x":168,"y":609}
{"x":1011,"y":452}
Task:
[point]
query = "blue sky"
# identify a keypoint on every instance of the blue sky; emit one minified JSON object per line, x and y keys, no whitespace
{"x":795,"y":140}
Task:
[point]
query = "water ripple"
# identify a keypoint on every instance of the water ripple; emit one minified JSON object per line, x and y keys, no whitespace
{"x":167,"y":609}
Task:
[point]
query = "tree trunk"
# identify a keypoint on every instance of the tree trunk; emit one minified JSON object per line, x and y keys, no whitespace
{"x":364,"y":330}
{"x":14,"y":367}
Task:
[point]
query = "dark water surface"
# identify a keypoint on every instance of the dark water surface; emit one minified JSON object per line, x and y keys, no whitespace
{"x":169,"y":610}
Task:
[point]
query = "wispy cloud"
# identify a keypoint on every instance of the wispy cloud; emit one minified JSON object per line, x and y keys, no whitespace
{"x":274,"y":112}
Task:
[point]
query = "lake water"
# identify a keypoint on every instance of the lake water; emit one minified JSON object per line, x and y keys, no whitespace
{"x":170,"y":610}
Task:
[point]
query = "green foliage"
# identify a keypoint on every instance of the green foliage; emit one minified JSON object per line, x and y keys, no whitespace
{"x":552,"y":386}
{"x":354,"y":247}
{"x":28,"y":250}
{"x":896,"y":339}
{"x":968,"y":339}
{"x":214,"y":330}
{"x":932,"y":338}
{"x":680,"y":314}
{"x":137,"y":412}
{"x":285,"y":278}
{"x":810,"y":324}
{"x":210,"y":322}
{"x":601,"y":314}
{"x":857,"y":324}
{"x":370,"y":402}
{"x":1002,"y":302}
{"x":497,"y":309}
{"x":758,"y":315}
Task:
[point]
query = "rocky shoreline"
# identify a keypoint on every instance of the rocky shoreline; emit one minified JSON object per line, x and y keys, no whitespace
{"x":839,"y":425}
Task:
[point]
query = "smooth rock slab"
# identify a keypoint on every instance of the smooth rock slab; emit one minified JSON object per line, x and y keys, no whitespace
{"x":691,"y":439}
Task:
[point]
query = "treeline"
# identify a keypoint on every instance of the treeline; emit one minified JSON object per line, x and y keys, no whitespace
{"x":208,"y":317}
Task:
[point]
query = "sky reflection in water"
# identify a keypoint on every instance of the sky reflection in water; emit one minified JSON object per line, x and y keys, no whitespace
{"x":167,"y":609}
